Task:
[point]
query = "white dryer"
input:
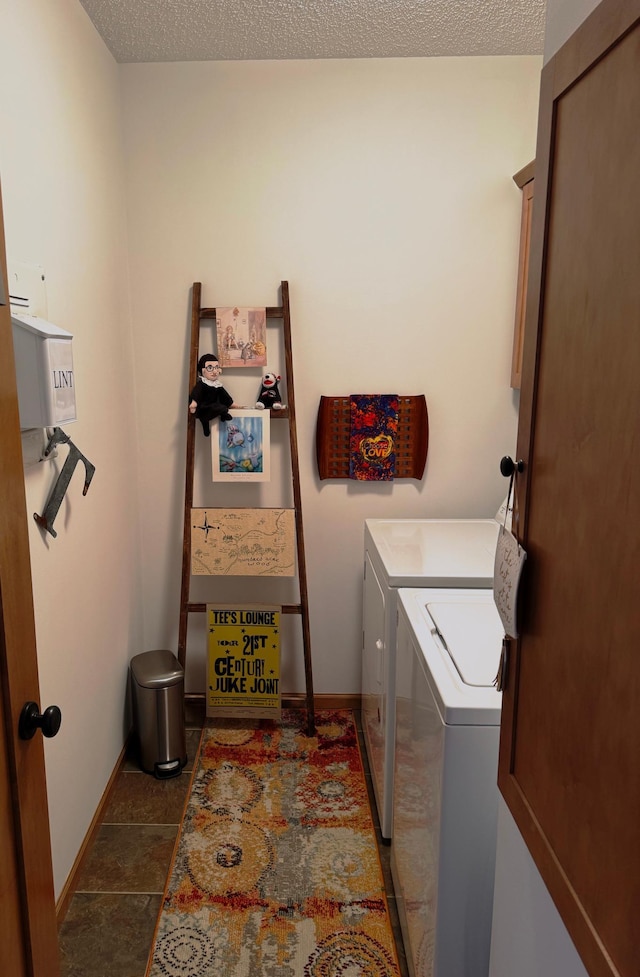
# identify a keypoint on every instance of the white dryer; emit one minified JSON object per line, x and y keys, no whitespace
{"x":445,"y":798}
{"x":408,"y":553}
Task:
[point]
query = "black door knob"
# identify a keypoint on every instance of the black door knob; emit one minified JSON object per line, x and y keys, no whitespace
{"x":31,"y":720}
{"x":508,"y":466}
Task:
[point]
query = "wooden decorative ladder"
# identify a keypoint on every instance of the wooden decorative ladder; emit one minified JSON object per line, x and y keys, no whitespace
{"x":281,"y":312}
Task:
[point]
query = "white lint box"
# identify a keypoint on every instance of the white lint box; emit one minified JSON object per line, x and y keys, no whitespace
{"x":44,"y":372}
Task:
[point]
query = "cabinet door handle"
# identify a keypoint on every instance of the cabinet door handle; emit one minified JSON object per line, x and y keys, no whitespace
{"x":508,"y":466}
{"x":31,"y":720}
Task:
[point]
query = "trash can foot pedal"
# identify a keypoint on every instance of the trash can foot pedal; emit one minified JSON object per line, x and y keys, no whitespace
{"x":171,"y":769}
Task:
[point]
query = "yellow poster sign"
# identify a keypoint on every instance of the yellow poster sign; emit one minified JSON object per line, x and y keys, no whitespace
{"x":243,"y":660}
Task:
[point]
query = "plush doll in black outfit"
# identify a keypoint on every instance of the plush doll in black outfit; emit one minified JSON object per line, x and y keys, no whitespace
{"x":209,"y":399}
{"x":269,"y":396}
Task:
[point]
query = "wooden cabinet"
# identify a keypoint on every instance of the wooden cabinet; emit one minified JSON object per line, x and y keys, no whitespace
{"x":570,"y":733}
{"x":524,"y":179}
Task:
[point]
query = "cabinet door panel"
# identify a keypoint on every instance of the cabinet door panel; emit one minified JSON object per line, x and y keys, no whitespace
{"x":570,"y":739}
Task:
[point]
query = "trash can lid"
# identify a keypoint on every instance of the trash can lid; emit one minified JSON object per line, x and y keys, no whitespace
{"x":156,"y":669}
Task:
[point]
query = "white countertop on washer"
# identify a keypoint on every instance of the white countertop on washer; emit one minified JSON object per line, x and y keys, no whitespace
{"x":434,"y":552}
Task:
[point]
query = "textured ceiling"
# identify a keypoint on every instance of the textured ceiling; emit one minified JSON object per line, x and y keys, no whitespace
{"x":221,"y":30}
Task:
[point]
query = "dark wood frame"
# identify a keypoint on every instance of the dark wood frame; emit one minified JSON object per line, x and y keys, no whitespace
{"x":333,"y":431}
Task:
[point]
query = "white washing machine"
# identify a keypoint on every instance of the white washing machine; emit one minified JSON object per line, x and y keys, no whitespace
{"x":408,"y":553}
{"x":445,"y":798}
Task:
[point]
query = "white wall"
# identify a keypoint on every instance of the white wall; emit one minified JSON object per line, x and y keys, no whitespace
{"x":62,"y":181}
{"x":528,"y":935}
{"x":563,"y":18}
{"x":382,"y":191}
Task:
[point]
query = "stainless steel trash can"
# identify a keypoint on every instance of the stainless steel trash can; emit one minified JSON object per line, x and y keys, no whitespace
{"x":157,"y":687}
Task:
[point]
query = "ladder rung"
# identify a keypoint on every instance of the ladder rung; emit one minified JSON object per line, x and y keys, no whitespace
{"x":273,"y":312}
{"x":285,"y":608}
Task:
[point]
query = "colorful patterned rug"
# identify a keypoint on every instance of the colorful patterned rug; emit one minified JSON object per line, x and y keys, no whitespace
{"x":276,"y":870}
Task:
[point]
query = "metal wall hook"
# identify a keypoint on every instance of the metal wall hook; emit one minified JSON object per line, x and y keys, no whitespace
{"x":55,"y":499}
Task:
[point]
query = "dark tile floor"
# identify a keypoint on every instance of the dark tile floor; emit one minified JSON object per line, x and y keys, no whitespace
{"x":109,"y":926}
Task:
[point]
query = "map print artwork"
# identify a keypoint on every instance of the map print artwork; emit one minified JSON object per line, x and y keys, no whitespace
{"x":243,"y":542}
